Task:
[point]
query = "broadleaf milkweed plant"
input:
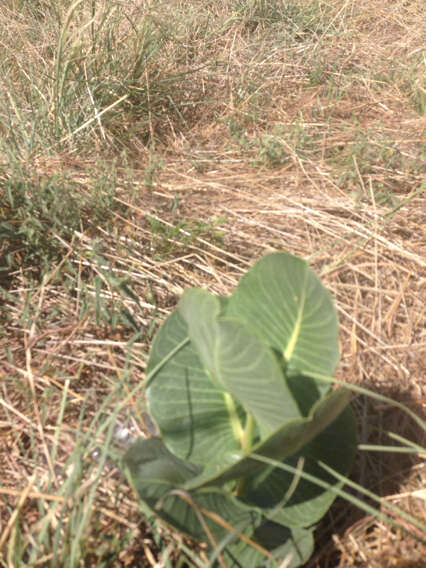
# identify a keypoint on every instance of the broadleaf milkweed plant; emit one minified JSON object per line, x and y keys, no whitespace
{"x":231,"y":387}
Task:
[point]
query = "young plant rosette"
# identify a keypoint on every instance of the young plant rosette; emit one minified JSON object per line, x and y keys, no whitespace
{"x":245,"y":428}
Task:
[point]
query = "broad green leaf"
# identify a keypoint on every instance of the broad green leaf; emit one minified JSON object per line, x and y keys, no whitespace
{"x":195,"y":418}
{"x":200,"y":310}
{"x":156,"y":475}
{"x":289,"y":306}
{"x":236,"y":359}
{"x":290,"y":547}
{"x":284,"y":442}
{"x":307,"y":503}
{"x":149,"y":460}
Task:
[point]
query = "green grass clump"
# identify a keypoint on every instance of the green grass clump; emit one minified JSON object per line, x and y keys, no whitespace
{"x":100,"y":73}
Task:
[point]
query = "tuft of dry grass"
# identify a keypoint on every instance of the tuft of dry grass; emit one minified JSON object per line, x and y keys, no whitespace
{"x":228,"y":130}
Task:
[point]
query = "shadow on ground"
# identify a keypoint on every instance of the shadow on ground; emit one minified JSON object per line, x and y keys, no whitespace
{"x":359,"y":539}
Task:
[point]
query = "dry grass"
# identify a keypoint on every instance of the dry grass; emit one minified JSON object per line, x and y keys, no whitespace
{"x":305,"y":134}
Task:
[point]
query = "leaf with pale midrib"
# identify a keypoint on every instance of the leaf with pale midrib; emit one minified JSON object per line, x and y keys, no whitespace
{"x":292,"y":310}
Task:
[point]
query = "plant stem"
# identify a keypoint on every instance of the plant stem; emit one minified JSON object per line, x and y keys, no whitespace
{"x":247,"y":437}
{"x":233,"y":416}
{"x":246,"y":443}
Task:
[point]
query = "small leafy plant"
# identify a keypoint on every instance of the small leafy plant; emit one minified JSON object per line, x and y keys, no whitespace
{"x":248,"y":435}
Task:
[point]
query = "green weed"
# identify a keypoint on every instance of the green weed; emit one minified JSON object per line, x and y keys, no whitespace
{"x":43,"y":211}
{"x":167,"y":239}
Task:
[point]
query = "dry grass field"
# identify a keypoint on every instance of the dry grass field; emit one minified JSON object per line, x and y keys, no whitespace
{"x":150,"y":145}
